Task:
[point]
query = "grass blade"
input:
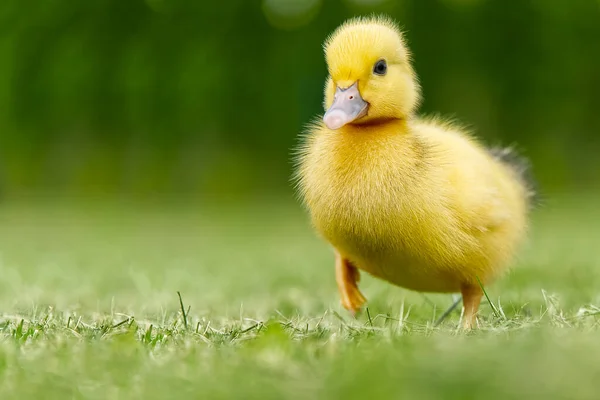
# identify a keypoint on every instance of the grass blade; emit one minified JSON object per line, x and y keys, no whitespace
{"x":185,"y":323}
{"x":369,"y":316}
{"x":448,"y":311}
{"x":496,"y":313}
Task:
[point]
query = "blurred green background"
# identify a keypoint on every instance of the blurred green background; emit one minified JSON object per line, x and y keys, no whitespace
{"x":206,"y":98}
{"x":203,"y":100}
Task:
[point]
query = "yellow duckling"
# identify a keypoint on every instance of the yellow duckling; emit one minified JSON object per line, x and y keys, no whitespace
{"x":418,"y":203}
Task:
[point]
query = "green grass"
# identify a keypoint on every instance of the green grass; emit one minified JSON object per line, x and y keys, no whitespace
{"x":89,"y":309}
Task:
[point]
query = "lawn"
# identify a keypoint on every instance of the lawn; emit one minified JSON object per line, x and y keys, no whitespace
{"x":89,"y":308}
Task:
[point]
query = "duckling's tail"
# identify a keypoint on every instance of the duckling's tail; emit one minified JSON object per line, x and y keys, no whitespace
{"x":522,"y":168}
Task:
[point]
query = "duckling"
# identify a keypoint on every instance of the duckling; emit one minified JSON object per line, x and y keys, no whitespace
{"x":417,"y":202}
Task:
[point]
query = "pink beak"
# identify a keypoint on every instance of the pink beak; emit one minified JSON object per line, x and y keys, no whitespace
{"x":347,"y":106}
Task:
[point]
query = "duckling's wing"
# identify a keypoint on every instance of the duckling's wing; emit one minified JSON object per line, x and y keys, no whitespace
{"x":522,"y":169}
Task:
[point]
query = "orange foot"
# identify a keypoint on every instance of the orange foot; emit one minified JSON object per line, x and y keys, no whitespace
{"x":347,"y":277}
{"x":471,"y":295}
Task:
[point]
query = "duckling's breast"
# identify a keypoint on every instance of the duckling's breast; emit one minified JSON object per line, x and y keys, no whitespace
{"x":395,"y":241}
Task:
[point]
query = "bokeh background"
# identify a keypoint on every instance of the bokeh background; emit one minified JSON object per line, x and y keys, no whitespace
{"x":109,"y":107}
{"x":204,"y":99}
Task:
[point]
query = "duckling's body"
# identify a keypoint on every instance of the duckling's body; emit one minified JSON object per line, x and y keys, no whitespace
{"x":418,"y":203}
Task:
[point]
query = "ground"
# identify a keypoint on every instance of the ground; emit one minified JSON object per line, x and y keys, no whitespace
{"x":89,"y":308}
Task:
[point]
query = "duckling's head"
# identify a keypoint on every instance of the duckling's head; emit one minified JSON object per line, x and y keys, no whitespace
{"x":370,"y":77}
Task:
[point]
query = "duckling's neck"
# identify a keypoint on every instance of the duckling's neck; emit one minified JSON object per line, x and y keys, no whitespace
{"x":361,"y":148}
{"x":378,"y":128}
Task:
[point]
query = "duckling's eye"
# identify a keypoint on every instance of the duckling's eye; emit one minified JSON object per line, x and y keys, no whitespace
{"x":380,"y":67}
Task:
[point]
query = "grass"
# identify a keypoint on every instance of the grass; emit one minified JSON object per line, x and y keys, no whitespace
{"x":128,"y":301}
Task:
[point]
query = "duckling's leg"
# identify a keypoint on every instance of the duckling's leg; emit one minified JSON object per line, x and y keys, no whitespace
{"x":347,"y":277}
{"x":471,"y":295}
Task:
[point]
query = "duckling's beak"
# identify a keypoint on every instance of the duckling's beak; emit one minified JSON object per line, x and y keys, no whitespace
{"x":347,"y":106}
